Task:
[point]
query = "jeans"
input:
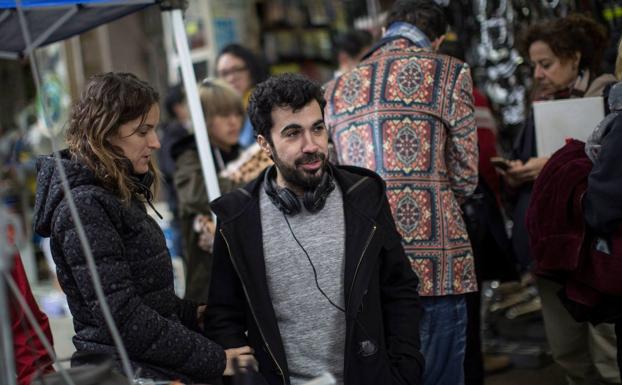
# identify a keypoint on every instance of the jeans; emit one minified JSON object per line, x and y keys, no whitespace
{"x":443,"y":339}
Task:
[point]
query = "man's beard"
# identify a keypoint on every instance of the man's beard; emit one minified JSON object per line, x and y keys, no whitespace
{"x":301,"y":178}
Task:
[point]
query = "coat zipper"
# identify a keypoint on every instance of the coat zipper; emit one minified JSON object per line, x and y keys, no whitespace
{"x":235,"y":266}
{"x":371,"y":235}
{"x":356,"y":271}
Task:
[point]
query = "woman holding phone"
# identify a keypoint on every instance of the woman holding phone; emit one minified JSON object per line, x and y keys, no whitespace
{"x":565,"y":54}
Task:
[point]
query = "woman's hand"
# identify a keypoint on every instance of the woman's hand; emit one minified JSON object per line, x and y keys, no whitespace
{"x":520,"y":173}
{"x":244,"y":356}
{"x":509,"y":178}
{"x":529,"y":171}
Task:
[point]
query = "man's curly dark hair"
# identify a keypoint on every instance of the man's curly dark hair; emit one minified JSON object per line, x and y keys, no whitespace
{"x":286,"y":90}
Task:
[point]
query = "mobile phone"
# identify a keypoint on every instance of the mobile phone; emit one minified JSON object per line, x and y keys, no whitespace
{"x":500,"y":162}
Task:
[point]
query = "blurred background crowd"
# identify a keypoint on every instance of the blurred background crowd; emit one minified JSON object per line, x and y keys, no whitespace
{"x":236,"y":44}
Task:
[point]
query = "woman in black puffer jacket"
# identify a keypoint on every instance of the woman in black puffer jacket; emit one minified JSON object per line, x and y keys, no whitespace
{"x":110,"y":168}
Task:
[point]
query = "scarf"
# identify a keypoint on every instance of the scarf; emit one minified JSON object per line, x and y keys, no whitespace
{"x":410,"y":32}
{"x":594,"y":142}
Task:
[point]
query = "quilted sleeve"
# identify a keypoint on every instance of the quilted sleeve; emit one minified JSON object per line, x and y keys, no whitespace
{"x":148,"y":336}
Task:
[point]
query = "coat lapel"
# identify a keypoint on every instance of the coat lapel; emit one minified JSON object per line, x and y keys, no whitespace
{"x":360,"y":232}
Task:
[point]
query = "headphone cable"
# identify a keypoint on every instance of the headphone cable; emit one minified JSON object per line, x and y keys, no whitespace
{"x":317,"y":284}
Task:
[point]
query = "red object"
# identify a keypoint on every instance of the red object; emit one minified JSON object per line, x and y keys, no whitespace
{"x":563,"y":247}
{"x":487,"y":140}
{"x":488,"y":149}
{"x":30,"y":355}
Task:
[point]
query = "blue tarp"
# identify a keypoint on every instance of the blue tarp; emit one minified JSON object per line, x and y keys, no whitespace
{"x":50,"y":21}
{"x":49,"y":3}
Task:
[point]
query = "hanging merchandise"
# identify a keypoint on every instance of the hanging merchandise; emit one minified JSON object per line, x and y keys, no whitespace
{"x":503,"y":83}
{"x":490,"y":35}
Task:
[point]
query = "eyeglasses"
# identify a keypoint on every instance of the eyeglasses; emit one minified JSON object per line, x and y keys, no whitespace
{"x":232,"y":71}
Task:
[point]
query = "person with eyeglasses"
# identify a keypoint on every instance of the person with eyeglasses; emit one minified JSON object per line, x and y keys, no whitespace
{"x":243,"y":70}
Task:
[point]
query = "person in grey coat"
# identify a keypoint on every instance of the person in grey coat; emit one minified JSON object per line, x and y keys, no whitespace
{"x":110,"y":168}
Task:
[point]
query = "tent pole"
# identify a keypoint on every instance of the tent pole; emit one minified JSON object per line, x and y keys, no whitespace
{"x":196,"y":112}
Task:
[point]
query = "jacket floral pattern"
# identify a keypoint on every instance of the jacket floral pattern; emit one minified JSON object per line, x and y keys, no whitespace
{"x":407,"y":114}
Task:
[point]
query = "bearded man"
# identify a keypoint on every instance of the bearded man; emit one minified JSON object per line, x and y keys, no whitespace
{"x":309,"y":269}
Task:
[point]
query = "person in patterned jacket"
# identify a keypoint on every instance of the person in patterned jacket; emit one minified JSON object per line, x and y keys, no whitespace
{"x":407,"y":113}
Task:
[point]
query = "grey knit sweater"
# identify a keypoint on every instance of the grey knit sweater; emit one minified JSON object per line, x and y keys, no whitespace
{"x":313,"y":331}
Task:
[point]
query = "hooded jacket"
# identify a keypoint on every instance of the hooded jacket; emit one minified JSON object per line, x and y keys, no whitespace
{"x":382,"y":305}
{"x":136,"y":274}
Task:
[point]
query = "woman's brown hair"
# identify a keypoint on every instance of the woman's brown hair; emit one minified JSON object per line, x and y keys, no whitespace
{"x":568,"y":35}
{"x":109,"y":101}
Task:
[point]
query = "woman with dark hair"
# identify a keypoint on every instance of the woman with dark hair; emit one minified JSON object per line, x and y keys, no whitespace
{"x":566,"y":54}
{"x":243,"y":70}
{"x":109,"y":165}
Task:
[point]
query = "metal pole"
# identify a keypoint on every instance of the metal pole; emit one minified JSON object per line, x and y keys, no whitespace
{"x":7,"y":370}
{"x":196,"y":112}
{"x":8,"y":364}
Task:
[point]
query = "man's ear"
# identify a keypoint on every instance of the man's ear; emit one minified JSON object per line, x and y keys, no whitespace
{"x":436,"y":44}
{"x":265,"y":146}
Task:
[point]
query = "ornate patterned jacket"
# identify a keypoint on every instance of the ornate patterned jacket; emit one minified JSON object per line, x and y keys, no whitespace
{"x":407,"y":114}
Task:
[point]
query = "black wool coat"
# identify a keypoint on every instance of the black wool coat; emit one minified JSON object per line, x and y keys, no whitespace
{"x":159,"y":330}
{"x":383,"y":308}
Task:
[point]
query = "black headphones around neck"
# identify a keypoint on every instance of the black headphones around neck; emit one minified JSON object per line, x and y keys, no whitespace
{"x":286,"y":200}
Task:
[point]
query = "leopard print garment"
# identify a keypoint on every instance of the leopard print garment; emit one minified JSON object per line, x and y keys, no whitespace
{"x":248,"y":166}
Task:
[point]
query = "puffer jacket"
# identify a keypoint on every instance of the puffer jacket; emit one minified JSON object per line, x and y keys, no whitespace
{"x":159,"y":330}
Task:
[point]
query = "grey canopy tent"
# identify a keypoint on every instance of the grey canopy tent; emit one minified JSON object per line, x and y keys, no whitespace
{"x":49,"y":21}
{"x":28,"y":24}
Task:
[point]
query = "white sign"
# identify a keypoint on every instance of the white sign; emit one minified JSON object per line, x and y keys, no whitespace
{"x":559,"y":120}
